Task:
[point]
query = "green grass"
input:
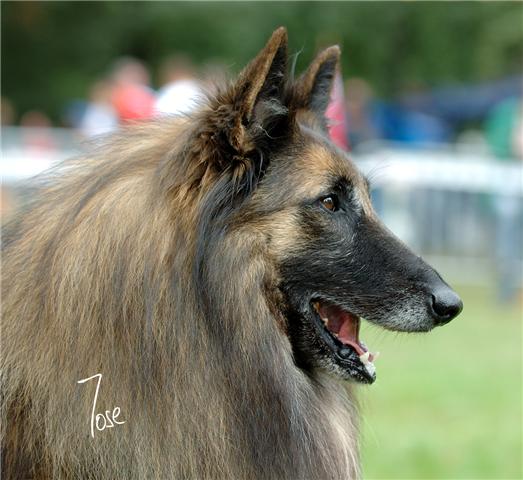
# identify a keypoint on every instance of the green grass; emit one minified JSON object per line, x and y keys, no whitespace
{"x":447,"y":405}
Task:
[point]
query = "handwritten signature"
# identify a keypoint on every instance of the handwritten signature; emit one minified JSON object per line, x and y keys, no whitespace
{"x":102,"y":420}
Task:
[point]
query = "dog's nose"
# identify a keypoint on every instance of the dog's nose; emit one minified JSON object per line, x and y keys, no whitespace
{"x":446,"y":305}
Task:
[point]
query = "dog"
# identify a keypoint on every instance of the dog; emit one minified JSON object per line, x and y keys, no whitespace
{"x":185,"y":300}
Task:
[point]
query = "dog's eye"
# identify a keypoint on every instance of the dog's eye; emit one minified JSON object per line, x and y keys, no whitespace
{"x":330,"y":202}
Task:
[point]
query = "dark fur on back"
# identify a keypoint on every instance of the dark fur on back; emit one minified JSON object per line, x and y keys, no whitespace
{"x":145,"y":261}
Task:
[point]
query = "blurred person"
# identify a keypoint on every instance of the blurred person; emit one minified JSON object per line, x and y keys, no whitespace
{"x":180,"y":90}
{"x":459,"y":104}
{"x":37,"y":136}
{"x":402,"y":123}
{"x":99,"y":117}
{"x":504,"y":133}
{"x":131,"y":97}
{"x":397,"y":121}
{"x":361,"y":127}
{"x":130,"y":70}
{"x":73,"y":113}
{"x":336,"y":114}
{"x":501,"y":128}
{"x":7,"y":112}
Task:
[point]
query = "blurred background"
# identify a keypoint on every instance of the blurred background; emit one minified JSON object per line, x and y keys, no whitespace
{"x":430,"y":105}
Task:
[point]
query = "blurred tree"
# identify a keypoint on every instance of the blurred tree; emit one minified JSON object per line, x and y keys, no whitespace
{"x":52,"y":51}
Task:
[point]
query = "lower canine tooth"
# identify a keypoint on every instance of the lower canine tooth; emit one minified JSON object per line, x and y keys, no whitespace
{"x":365,"y":358}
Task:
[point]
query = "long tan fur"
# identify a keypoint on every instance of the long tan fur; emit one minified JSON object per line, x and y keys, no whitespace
{"x":99,"y":277}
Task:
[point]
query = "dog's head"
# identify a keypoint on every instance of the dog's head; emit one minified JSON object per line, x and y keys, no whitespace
{"x":279,"y":173}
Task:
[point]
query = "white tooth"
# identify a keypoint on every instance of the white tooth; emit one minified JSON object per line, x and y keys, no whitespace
{"x":376,"y":355}
{"x":365,"y":358}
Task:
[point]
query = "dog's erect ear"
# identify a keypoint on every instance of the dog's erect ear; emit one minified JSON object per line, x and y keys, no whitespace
{"x":258,"y":94}
{"x":249,"y":120}
{"x":315,"y":85}
{"x":264,"y":78}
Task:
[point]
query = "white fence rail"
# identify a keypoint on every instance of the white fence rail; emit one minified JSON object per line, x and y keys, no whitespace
{"x":443,"y":169}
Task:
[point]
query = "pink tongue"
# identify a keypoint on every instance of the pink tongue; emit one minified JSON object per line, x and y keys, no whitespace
{"x":348,"y":331}
{"x":348,"y":334}
{"x":344,"y":325}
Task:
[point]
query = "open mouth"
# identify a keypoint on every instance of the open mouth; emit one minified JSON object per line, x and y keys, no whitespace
{"x":340,"y":330}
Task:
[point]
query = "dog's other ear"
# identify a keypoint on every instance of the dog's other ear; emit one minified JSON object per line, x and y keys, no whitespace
{"x":315,"y":85}
{"x":258,"y":94}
